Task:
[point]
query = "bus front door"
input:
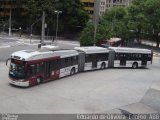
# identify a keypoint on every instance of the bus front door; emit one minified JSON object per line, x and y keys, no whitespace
{"x":47,"y":70}
{"x":123,"y":61}
{"x":144,"y":60}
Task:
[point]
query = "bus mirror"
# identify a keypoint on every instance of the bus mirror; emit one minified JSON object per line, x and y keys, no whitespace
{"x":8,"y":60}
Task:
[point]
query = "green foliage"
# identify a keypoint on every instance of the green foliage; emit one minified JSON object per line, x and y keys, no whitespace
{"x":145,"y":19}
{"x":140,"y":20}
{"x":33,"y":10}
{"x":103,"y":33}
{"x":73,"y":15}
{"x":152,"y":13}
{"x":116,"y":20}
{"x":137,"y":18}
{"x":87,"y":36}
{"x":111,"y":24}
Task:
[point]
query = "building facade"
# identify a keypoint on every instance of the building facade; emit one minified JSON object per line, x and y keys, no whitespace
{"x":101,"y":6}
{"x":89,"y":7}
{"x":6,"y":6}
{"x":104,"y":5}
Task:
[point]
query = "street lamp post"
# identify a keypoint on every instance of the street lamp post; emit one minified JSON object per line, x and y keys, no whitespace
{"x":43,"y":29}
{"x":57,"y":13}
{"x":10,"y":22}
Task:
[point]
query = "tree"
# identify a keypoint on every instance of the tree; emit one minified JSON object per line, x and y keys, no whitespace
{"x":111,"y":24}
{"x":136,"y":17}
{"x":118,"y":20}
{"x":87,"y":34}
{"x":72,"y":17}
{"x":144,"y":19}
{"x":34,"y":9}
{"x":73,"y":14}
{"x":152,"y":13}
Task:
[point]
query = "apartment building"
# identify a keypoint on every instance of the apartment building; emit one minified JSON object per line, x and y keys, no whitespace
{"x":10,"y":6}
{"x":6,"y":6}
{"x":104,"y":5}
{"x":89,"y":7}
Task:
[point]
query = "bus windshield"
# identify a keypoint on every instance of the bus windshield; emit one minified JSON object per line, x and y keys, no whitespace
{"x":17,"y":71}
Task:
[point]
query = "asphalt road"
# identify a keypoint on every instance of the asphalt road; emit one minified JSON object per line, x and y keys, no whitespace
{"x":17,"y":45}
{"x":100,"y":91}
{"x":5,"y":40}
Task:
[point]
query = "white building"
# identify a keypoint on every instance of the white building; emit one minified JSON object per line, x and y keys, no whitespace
{"x":103,"y":5}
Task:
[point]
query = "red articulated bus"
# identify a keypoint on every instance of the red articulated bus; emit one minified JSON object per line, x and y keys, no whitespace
{"x":32,"y":67}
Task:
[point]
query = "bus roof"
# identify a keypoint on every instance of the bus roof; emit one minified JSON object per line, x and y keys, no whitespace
{"x":92,"y":49}
{"x":129,"y":50}
{"x":27,"y":55}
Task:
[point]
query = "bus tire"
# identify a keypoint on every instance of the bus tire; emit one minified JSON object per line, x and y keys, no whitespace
{"x":135,"y":65}
{"x":103,"y":65}
{"x":72,"y":71}
{"x":39,"y":80}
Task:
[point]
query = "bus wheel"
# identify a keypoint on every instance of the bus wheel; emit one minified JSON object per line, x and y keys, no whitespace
{"x":39,"y":80}
{"x":103,"y":65}
{"x":135,"y":65}
{"x":72,"y":71}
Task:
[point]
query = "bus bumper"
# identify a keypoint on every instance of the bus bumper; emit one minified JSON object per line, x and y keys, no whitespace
{"x":19,"y":83}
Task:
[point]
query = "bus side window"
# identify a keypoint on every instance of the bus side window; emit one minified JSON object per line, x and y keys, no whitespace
{"x":102,"y":56}
{"x":38,"y":68}
{"x":54,"y":65}
{"x":62,"y":63}
{"x":66,"y":62}
{"x":106,"y":56}
{"x":99,"y":57}
{"x":121,"y":55}
{"x":69,"y":61}
{"x":88,"y":58}
{"x":132,"y":56}
{"x":116,"y":56}
{"x":75,"y":60}
{"x":31,"y":70}
{"x":139,"y":56}
{"x":57,"y":66}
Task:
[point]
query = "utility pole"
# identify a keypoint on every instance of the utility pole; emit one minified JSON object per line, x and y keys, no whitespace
{"x":95,"y":32}
{"x":10,"y":22}
{"x":43,"y":28}
{"x":57,"y":13}
{"x":95,"y":21}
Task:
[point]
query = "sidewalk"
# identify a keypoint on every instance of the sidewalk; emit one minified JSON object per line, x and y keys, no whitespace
{"x":147,"y":45}
{"x":30,"y":41}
